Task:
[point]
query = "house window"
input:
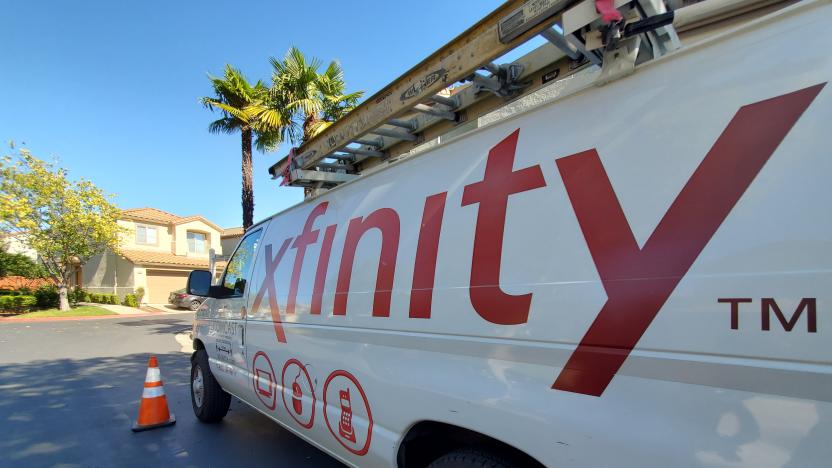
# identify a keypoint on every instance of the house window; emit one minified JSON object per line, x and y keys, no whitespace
{"x":197,"y":242}
{"x":146,"y":235}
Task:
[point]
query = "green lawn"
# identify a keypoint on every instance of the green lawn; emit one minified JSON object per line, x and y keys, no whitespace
{"x":74,"y":312}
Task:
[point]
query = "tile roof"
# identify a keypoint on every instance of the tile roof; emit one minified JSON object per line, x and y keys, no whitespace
{"x":151,"y":214}
{"x":232,"y":232}
{"x":187,"y":219}
{"x":162,"y":258}
{"x":156,"y":215}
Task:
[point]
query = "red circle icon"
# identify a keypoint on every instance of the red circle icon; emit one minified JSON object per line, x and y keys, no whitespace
{"x":299,"y":389}
{"x":354,"y":428}
{"x":262,"y":378}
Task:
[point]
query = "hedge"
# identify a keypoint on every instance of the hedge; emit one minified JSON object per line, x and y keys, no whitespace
{"x":47,"y":296}
{"x":130,"y":300}
{"x":19,"y":303}
{"x":104,"y":298}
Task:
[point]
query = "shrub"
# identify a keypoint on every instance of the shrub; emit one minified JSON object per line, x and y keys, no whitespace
{"x":82,"y":296}
{"x":47,"y":296}
{"x":16,"y":292}
{"x":77,"y":295}
{"x":103,"y":298}
{"x":18,"y":303}
{"x":20,"y":265}
{"x":139,"y":294}
{"x":130,"y":300}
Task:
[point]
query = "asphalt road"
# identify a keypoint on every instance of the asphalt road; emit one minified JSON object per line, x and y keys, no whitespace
{"x":69,"y":392}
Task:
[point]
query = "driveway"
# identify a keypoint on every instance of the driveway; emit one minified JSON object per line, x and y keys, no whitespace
{"x":69,"y":392}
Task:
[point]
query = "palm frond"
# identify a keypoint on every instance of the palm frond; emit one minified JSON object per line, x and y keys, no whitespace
{"x":224,"y":125}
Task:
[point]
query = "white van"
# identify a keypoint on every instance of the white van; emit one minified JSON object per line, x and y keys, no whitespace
{"x":633,"y":275}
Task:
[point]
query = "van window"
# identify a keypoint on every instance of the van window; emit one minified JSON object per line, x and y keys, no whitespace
{"x":238,"y":267}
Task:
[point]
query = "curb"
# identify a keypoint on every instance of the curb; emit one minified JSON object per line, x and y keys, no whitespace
{"x":64,"y":319}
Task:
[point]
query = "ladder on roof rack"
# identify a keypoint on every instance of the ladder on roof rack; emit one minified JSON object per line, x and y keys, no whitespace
{"x":421,"y":97}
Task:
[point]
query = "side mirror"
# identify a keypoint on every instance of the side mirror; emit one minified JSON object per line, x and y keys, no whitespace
{"x":199,"y":283}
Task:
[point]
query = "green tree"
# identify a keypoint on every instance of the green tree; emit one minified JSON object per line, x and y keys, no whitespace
{"x":66,"y":222}
{"x":19,"y":265}
{"x":309,"y":100}
{"x":244,"y":109}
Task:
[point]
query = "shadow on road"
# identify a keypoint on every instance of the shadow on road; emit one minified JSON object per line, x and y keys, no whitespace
{"x":79,"y":412}
{"x":161,"y":326}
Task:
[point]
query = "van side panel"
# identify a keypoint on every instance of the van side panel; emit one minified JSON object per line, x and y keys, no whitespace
{"x":682,"y":212}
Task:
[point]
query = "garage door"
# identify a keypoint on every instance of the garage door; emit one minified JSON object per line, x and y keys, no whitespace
{"x":161,"y":282}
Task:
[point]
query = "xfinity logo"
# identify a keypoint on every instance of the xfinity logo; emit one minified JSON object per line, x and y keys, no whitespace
{"x":637,"y":280}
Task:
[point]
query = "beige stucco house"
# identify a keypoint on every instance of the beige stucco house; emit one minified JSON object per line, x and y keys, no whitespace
{"x":230,"y":238}
{"x":157,"y":251}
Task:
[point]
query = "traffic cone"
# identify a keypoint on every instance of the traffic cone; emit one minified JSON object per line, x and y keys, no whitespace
{"x":153,"y":409}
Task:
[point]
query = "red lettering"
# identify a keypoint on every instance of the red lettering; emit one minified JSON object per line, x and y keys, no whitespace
{"x":306,"y":238}
{"x":639,"y":281}
{"x":320,"y":272}
{"x":498,"y":183}
{"x":269,"y":287}
{"x":735,"y":309}
{"x":385,"y":220}
{"x":427,"y":250}
{"x":807,"y":303}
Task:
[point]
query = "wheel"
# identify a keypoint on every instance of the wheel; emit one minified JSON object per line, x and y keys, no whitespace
{"x":209,"y":400}
{"x":194,"y":305}
{"x":470,"y":458}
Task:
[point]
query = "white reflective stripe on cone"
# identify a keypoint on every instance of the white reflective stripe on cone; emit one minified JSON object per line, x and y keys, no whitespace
{"x":153,"y":374}
{"x":153,"y":392}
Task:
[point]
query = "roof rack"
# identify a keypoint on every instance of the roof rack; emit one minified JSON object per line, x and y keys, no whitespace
{"x":614,"y":35}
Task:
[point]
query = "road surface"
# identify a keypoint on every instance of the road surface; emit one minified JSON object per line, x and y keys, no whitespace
{"x":69,"y":393}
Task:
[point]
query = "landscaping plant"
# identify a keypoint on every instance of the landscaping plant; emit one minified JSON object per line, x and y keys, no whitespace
{"x":65,"y":221}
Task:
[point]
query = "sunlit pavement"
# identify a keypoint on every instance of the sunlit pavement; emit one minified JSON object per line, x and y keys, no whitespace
{"x":69,"y":392}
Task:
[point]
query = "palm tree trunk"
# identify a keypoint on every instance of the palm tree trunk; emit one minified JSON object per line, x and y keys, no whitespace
{"x":248,"y":187}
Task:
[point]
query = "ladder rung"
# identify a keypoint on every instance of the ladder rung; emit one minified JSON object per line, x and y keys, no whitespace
{"x":407,"y":124}
{"x":492,"y":67}
{"x":425,"y":109}
{"x":487,"y":82}
{"x":451,"y":102}
{"x":561,"y":43}
{"x":398,"y":134}
{"x":300,"y":175}
{"x":346,"y":167}
{"x":582,"y":49}
{"x":378,"y":143}
{"x":363,"y":152}
{"x":342,"y":157}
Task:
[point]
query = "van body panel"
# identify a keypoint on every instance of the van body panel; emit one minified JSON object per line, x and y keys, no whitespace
{"x":734,"y":369}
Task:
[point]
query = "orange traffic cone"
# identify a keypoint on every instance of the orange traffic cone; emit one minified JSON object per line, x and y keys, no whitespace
{"x":153,"y":410}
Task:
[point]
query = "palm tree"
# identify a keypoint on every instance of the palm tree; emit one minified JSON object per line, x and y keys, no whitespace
{"x":244,"y":108}
{"x":310,"y":100}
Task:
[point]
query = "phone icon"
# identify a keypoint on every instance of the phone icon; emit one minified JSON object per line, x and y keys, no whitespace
{"x":345,"y":424}
{"x":297,"y":393}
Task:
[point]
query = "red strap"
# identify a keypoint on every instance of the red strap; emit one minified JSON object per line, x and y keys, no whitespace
{"x":608,"y":11}
{"x":288,"y":167}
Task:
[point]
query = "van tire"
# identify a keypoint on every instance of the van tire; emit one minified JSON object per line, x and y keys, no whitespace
{"x":194,"y":305}
{"x":470,"y":458}
{"x":215,"y":400}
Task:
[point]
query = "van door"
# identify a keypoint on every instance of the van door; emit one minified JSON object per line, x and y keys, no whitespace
{"x":230,"y":358}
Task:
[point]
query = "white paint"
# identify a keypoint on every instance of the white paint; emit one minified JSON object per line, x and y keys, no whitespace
{"x":693,"y":393}
{"x":153,"y":392}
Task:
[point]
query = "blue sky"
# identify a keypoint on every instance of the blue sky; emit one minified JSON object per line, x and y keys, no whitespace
{"x":110,"y":88}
